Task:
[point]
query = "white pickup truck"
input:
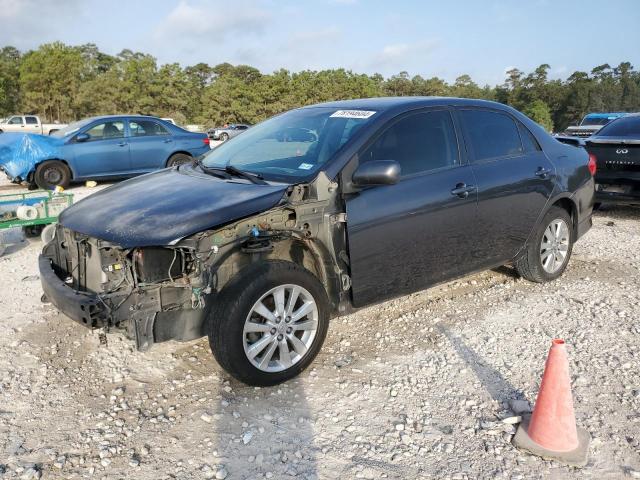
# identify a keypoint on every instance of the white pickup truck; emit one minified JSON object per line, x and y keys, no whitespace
{"x":29,"y":124}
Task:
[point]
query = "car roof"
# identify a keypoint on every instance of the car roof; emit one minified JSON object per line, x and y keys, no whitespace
{"x":605,"y":115}
{"x":106,"y":117}
{"x":388,"y":103}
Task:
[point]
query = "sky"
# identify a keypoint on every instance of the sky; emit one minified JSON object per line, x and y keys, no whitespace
{"x":445,"y":38}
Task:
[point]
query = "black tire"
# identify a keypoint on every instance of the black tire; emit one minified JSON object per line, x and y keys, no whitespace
{"x":224,"y":137}
{"x":529,"y":264}
{"x":52,"y":173}
{"x":234,"y":304}
{"x":33,"y":231}
{"x":179,"y":159}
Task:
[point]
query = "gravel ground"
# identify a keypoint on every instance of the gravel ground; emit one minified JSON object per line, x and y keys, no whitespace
{"x":413,"y":388}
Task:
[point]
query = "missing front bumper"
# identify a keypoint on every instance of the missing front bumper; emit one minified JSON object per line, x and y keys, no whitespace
{"x":138,"y":312}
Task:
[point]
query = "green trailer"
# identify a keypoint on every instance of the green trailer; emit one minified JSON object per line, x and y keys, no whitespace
{"x":31,"y":211}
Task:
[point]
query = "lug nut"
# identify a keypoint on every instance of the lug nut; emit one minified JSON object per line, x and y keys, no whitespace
{"x":289,"y":330}
{"x":280,"y":337}
{"x":288,"y":319}
{"x":273,"y":331}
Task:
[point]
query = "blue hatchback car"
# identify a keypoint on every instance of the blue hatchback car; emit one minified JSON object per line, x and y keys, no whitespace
{"x":111,"y":147}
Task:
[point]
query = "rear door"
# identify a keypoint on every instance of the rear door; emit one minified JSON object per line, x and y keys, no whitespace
{"x":515,"y":180}
{"x":105,"y":153}
{"x":150,"y":144}
{"x":407,"y":236}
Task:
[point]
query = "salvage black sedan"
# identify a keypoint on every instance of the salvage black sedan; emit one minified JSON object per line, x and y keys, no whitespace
{"x":263,"y":240}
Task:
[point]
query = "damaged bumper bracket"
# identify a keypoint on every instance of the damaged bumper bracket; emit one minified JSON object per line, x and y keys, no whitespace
{"x":138,"y":311}
{"x":84,"y":308}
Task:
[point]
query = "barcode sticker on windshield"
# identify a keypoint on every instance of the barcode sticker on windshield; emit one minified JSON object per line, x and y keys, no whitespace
{"x":305,"y":166}
{"x":352,"y":114}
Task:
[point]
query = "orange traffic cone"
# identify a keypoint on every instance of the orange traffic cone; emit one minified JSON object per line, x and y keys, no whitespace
{"x":551,"y":431}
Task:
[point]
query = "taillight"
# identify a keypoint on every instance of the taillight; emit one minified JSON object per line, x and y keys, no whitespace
{"x":592,"y":164}
{"x":206,"y":140}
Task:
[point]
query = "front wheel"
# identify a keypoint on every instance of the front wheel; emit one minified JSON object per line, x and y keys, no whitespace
{"x":179,"y":159}
{"x":270,"y":323}
{"x":51,"y":174}
{"x":547,"y":255}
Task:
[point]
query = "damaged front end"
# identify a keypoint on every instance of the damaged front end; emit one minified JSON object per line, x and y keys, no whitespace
{"x":101,"y":285}
{"x":169,"y":292}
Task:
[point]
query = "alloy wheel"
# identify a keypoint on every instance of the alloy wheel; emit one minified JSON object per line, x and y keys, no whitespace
{"x":554,"y":246}
{"x":280,"y":328}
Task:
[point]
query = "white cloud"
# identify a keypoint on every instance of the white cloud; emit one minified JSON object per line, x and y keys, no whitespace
{"x":29,"y":23}
{"x":401,"y":56}
{"x":212,"y":21}
{"x":311,"y":37}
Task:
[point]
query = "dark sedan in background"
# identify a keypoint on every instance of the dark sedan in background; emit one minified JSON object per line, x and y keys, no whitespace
{"x":616,"y":151}
{"x":260,"y":242}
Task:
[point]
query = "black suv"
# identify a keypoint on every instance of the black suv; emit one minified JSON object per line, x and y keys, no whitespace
{"x":264,"y":239}
{"x":616,"y":151}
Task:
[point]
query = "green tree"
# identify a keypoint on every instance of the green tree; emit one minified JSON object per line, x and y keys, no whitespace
{"x":538,"y":111}
{"x":50,"y":79}
{"x":10,"y":59}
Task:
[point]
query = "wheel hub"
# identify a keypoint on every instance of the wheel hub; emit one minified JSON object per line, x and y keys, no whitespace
{"x":280,"y":328}
{"x":554,"y":246}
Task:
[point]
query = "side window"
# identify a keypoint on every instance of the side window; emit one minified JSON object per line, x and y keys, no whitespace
{"x":15,"y":121}
{"x":528,"y":140}
{"x":31,"y":120}
{"x":492,"y":134}
{"x":146,"y":128}
{"x":419,"y":142}
{"x":106,"y":130}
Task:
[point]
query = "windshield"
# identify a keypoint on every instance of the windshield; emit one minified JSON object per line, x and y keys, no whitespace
{"x":71,"y":128}
{"x":589,"y":121}
{"x":290,"y":146}
{"x":622,"y":127}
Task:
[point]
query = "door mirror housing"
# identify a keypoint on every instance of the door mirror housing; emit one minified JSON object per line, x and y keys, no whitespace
{"x":377,"y":172}
{"x":82,"y":137}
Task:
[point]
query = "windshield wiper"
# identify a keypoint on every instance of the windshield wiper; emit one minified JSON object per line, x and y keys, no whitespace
{"x":252,"y":177}
{"x":215,"y":171}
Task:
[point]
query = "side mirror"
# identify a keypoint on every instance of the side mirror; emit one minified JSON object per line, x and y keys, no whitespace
{"x":82,"y":137}
{"x":377,"y":172}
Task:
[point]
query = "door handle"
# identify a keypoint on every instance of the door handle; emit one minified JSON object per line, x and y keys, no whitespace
{"x":463,"y":190}
{"x":542,"y":172}
{"x":123,"y":144}
{"x":168,"y":140}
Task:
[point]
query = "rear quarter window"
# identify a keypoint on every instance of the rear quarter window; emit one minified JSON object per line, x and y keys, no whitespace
{"x":529,"y":142}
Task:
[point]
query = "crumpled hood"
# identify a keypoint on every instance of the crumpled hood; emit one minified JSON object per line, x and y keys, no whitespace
{"x":165,"y":206}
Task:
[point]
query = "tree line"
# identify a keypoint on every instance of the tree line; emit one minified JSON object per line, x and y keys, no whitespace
{"x":64,"y":83}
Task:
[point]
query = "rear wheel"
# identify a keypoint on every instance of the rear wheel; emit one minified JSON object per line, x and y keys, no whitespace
{"x":52,"y":173}
{"x":547,"y":255}
{"x":269,"y":323}
{"x":178,"y":159}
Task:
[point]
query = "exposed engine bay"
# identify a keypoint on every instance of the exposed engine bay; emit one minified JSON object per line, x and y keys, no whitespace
{"x":168,"y":292}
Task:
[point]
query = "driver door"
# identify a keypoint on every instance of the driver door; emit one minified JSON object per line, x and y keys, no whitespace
{"x":418,"y":232}
{"x":104,"y":153}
